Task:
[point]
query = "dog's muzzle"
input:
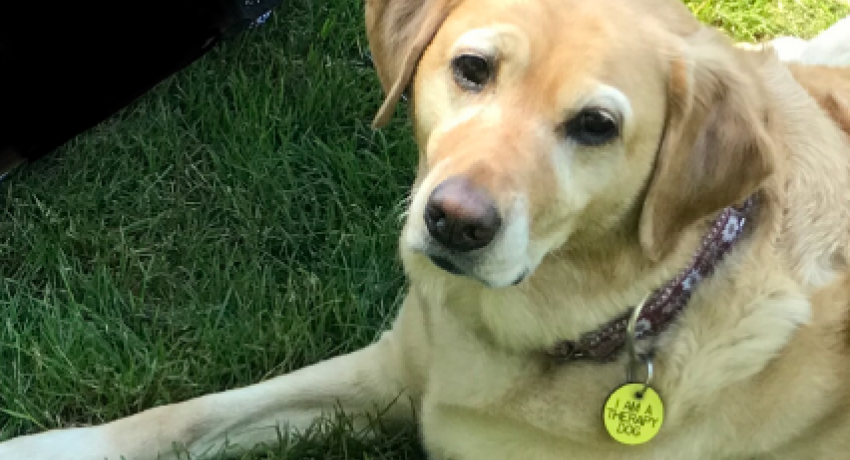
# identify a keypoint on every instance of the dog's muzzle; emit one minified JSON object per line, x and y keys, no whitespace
{"x":462,"y":222}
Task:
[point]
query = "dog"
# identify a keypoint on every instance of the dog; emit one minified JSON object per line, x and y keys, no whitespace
{"x":627,"y":239}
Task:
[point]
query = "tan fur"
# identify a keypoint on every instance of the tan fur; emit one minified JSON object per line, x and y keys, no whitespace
{"x":719,"y":375}
{"x":718,"y":148}
{"x":755,"y":368}
{"x":830,"y":87}
{"x":400,"y":33}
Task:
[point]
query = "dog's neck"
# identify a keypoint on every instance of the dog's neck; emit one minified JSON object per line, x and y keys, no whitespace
{"x":663,"y":306}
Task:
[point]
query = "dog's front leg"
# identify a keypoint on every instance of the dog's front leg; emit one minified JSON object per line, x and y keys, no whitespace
{"x":358,"y":384}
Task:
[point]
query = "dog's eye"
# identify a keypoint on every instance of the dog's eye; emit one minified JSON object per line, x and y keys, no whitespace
{"x":471,"y":71}
{"x":592,"y":127}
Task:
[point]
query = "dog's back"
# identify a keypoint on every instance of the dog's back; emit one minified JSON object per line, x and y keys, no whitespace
{"x":830,"y":87}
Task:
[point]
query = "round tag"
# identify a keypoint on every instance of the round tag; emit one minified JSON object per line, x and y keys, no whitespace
{"x":633,"y":414}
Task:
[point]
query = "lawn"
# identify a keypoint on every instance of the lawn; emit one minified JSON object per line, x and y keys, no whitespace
{"x":237,"y":222}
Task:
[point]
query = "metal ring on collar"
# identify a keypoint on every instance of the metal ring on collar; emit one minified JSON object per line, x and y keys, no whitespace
{"x":635,"y":360}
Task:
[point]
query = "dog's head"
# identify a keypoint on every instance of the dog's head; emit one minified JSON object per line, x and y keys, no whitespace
{"x":547,"y":124}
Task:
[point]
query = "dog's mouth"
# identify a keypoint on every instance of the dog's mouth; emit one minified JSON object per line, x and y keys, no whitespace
{"x":501,"y":261}
{"x":453,"y":268}
{"x":519,"y":279}
{"x":446,"y":265}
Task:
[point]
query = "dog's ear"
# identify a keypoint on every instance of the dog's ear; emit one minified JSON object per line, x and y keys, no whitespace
{"x":717,"y":148}
{"x":398,"y":33}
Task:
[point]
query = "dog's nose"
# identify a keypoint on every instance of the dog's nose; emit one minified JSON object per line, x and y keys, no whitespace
{"x":461,"y":216}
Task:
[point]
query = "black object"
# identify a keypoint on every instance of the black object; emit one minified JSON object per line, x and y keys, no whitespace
{"x":66,"y":66}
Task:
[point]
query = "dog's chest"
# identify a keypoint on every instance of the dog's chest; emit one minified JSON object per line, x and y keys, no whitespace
{"x":486,"y":404}
{"x":490,"y":409}
{"x":483,"y":402}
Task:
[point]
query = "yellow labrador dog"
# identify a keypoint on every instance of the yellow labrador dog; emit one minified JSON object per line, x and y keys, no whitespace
{"x":628,"y":239}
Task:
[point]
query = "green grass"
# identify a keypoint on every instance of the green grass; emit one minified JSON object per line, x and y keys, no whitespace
{"x":237,"y":222}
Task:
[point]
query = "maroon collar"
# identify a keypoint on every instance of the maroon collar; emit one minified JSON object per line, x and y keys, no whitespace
{"x":664,"y":305}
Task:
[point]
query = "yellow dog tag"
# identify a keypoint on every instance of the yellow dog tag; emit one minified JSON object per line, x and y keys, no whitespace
{"x":633,"y":414}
